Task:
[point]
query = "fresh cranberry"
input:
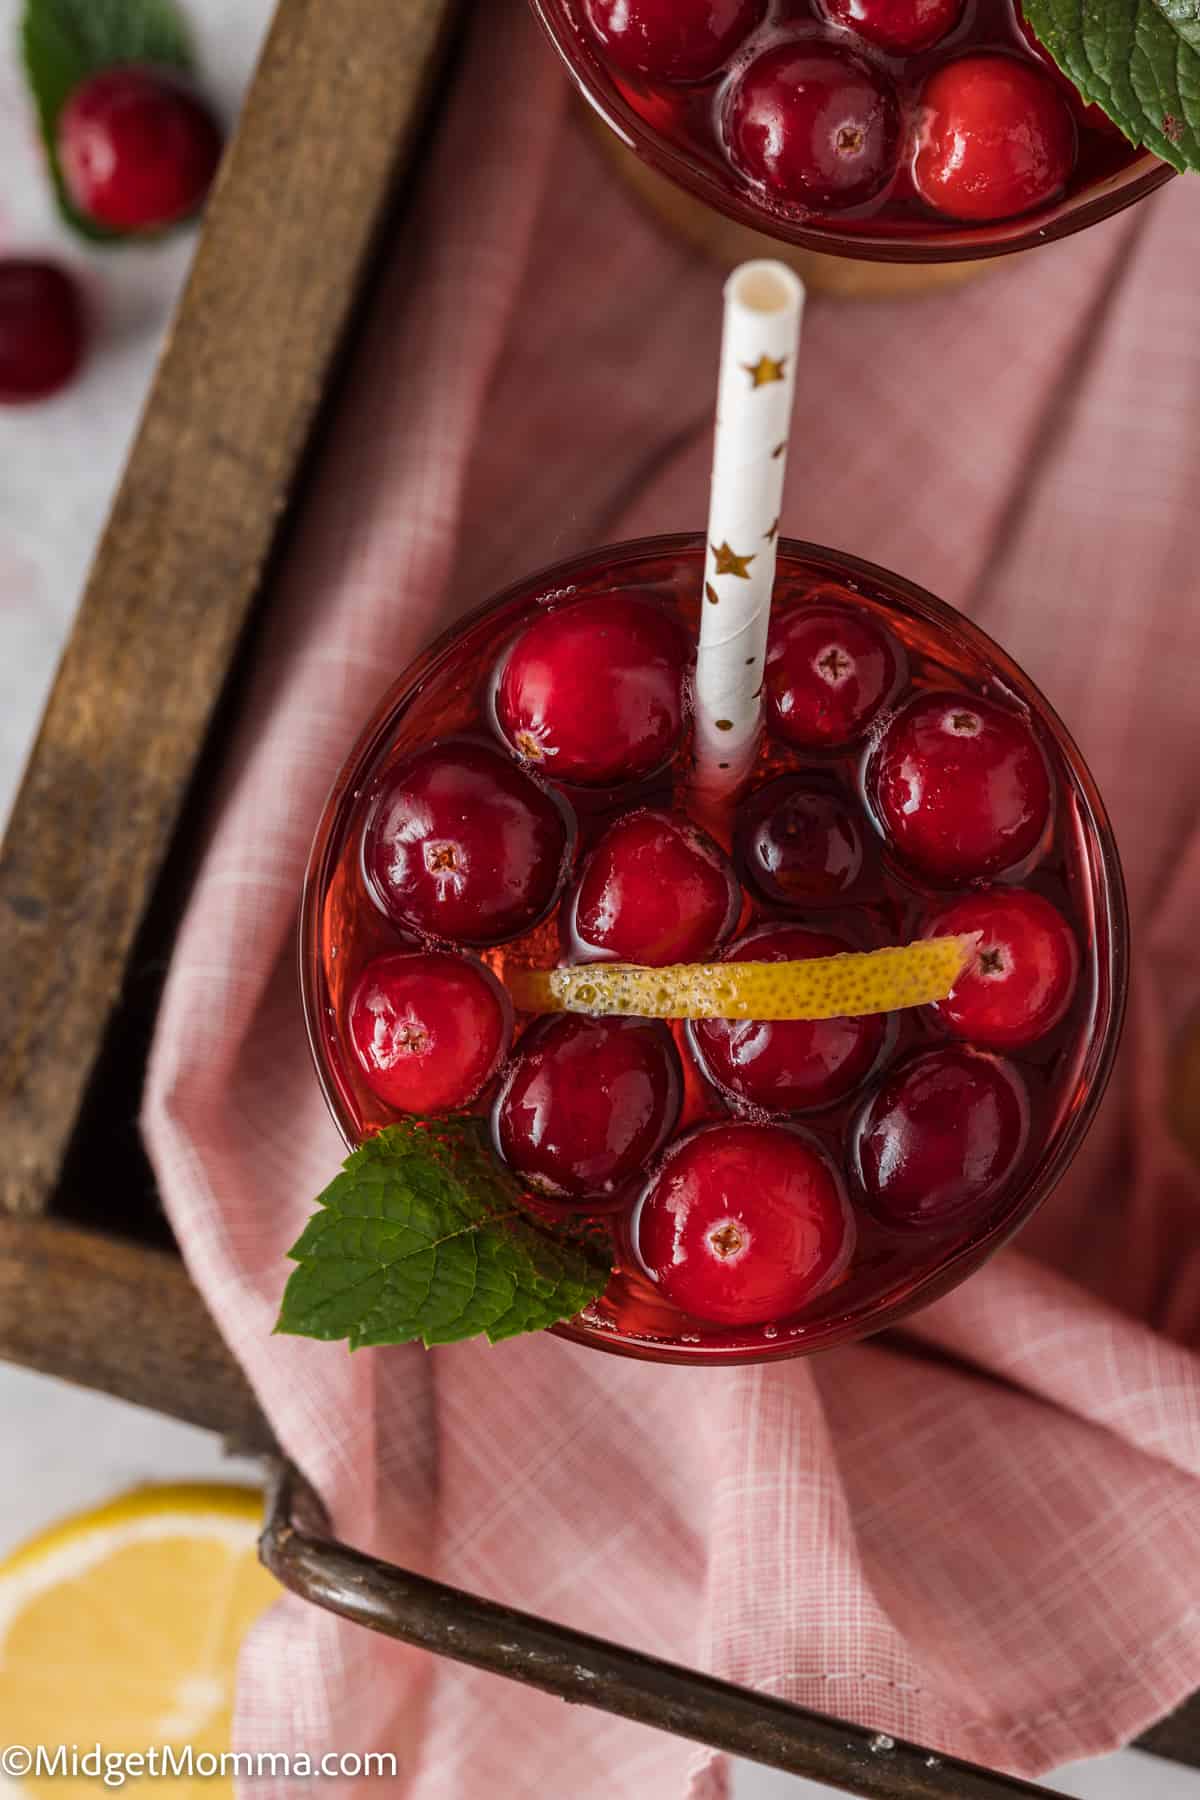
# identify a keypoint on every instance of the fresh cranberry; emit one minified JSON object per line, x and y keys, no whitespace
{"x":901,"y":26}
{"x":656,"y":890}
{"x":943,"y":1133}
{"x":829,"y":670}
{"x":672,"y":40}
{"x":1024,"y":971}
{"x":799,"y":845}
{"x":787,"y":1066}
{"x":587,"y":1103}
{"x":1088,"y":113}
{"x":817,"y":126}
{"x":461,"y":845}
{"x":593,"y":692}
{"x":41,"y":330}
{"x":743,"y":1224}
{"x":137,"y":148}
{"x":429,"y":1030}
{"x":995,"y":138}
{"x":960,"y":786}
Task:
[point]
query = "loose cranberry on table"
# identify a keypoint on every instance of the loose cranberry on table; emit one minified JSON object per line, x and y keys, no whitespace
{"x":460,"y":844}
{"x":672,"y":40}
{"x":587,"y":1103}
{"x":1023,"y":975}
{"x":42,"y":330}
{"x":787,"y":1066}
{"x":901,"y":26}
{"x":799,"y":845}
{"x":960,"y":786}
{"x":815,"y":125}
{"x":743,"y":1224}
{"x":656,"y":889}
{"x":593,"y":692}
{"x":429,"y":1030}
{"x":995,"y":138}
{"x":943,"y":1134}
{"x":828,"y":673}
{"x":137,"y":148}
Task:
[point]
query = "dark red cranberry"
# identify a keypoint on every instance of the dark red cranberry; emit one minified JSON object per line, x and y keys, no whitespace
{"x":41,"y":330}
{"x":587,"y":1103}
{"x":743,"y":1224}
{"x":901,"y":26}
{"x":995,"y":138}
{"x":829,"y":670}
{"x":137,"y":148}
{"x":429,"y":1030}
{"x":672,"y":40}
{"x":593,"y":692}
{"x":1088,"y":113}
{"x":655,"y":890}
{"x":817,"y":126}
{"x":461,"y":845}
{"x":1023,"y":974}
{"x":943,"y":1134}
{"x":787,"y":1066}
{"x":960,"y":786}
{"x":799,"y":845}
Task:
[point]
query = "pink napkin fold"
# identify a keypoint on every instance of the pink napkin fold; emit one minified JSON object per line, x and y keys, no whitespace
{"x":985,"y":1534}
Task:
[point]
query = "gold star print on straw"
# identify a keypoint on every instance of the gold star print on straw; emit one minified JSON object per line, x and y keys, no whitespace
{"x":772,"y":532}
{"x":765,"y":370}
{"x":728,"y":562}
{"x":711,"y":594}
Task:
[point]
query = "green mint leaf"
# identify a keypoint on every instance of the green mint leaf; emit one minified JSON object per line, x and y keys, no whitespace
{"x":1137,"y":59}
{"x":64,"y":41}
{"x":424,"y":1235}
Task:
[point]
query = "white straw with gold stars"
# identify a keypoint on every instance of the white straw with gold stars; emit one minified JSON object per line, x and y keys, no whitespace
{"x":764,"y":303}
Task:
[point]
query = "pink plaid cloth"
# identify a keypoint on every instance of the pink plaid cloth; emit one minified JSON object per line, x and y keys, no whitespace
{"x":985,"y":1534}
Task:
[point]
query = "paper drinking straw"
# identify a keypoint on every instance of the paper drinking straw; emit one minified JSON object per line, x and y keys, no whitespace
{"x":764,"y":302}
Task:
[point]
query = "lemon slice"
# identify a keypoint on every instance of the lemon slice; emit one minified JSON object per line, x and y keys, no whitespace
{"x":121,"y":1627}
{"x":820,"y":987}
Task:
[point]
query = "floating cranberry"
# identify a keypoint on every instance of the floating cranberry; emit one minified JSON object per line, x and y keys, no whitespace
{"x":1088,"y":113}
{"x":41,"y":330}
{"x":655,"y":890}
{"x":429,"y":1030}
{"x":587,"y":1103}
{"x":1023,"y":974}
{"x":593,"y":691}
{"x":791,"y":1065}
{"x":818,"y":127}
{"x":901,"y":26}
{"x":669,"y":40}
{"x":960,"y":785}
{"x":829,"y":671}
{"x":137,"y":148}
{"x":461,"y":845}
{"x":743,"y":1224}
{"x":799,"y":845}
{"x":995,"y":138}
{"x":942,"y":1135}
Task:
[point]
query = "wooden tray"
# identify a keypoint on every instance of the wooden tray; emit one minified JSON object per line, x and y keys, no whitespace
{"x":96,"y":863}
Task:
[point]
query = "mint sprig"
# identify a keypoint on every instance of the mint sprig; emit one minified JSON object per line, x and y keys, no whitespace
{"x":1139,"y":60}
{"x":65,"y":41}
{"x":424,"y":1235}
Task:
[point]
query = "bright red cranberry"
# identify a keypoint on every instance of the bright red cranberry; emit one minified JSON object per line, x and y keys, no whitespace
{"x":593,"y":692}
{"x":1024,"y":972}
{"x":429,"y":1030}
{"x":799,"y":845}
{"x":960,"y":786}
{"x":461,"y":845}
{"x":138,"y":149}
{"x":587,"y":1103}
{"x":829,"y":670}
{"x":656,"y":890}
{"x":41,"y":330}
{"x":995,"y":138}
{"x":743,"y":1224}
{"x":672,"y":40}
{"x":817,"y":126}
{"x":787,"y":1066}
{"x":901,"y":26}
{"x":943,"y":1134}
